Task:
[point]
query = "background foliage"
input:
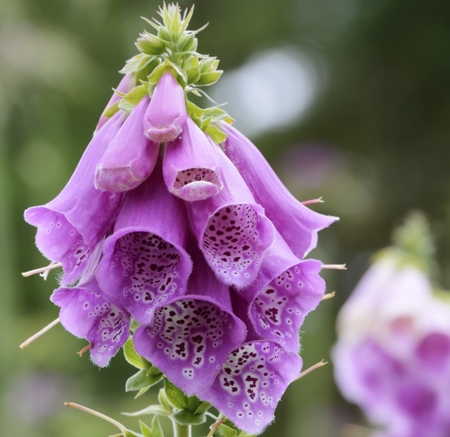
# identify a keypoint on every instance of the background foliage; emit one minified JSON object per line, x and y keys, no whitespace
{"x":372,"y":139}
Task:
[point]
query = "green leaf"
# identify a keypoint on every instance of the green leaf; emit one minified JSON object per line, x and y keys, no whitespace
{"x":147,"y":69}
{"x":129,"y":433}
{"x":156,"y":74}
{"x":174,"y":395}
{"x":209,"y":78}
{"x":226,"y":431}
{"x":132,"y":356}
{"x":145,"y":430}
{"x":156,"y":428}
{"x":143,"y":379}
{"x":185,"y":417}
{"x":109,"y":112}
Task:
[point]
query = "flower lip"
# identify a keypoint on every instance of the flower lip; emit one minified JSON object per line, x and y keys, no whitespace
{"x":191,"y":165}
{"x":87,"y":312}
{"x":251,"y":383}
{"x":166,"y":113}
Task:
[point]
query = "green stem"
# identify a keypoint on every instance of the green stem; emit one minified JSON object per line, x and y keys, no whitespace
{"x":181,"y":430}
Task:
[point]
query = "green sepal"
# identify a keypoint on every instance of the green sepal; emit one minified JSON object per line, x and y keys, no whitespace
{"x":132,"y":356}
{"x":129,"y":433}
{"x":175,"y":396}
{"x":135,"y":63}
{"x":150,"y":44}
{"x":162,"y":398}
{"x":215,"y":133}
{"x":157,"y":410}
{"x":186,"y":42}
{"x":185,"y":417}
{"x":165,"y":35}
{"x":134,"y":325}
{"x":228,"y":429}
{"x":110,"y":111}
{"x":192,"y":70}
{"x":195,"y":112}
{"x":209,"y":78}
{"x":143,"y":379}
{"x":209,"y":64}
{"x":156,"y":74}
{"x":145,"y":430}
{"x":203,"y":408}
{"x":136,"y":94}
{"x":147,"y":69}
{"x":156,"y":430}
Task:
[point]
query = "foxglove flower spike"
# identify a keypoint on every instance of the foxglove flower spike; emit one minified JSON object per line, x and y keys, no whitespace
{"x":131,"y":156}
{"x":72,"y":224}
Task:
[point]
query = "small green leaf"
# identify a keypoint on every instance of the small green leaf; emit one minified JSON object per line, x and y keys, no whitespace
{"x":185,"y":417}
{"x":209,"y":78}
{"x":145,"y":430}
{"x":136,"y":94}
{"x":147,"y":69}
{"x":109,"y":112}
{"x":143,"y":379}
{"x":208,"y":64}
{"x":174,"y":395}
{"x":156,"y":428}
{"x":226,"y":431}
{"x":129,"y":433}
{"x":132,"y":356}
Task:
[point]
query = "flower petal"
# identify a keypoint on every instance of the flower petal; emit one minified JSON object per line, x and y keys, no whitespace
{"x":285,"y":291}
{"x":125,"y":85}
{"x":231,"y":229}
{"x":251,"y":383}
{"x":72,"y":224}
{"x":191,"y":167}
{"x":144,"y":261}
{"x":297,"y":224}
{"x":130,"y":158}
{"x":87,"y":312}
{"x":166,"y":113}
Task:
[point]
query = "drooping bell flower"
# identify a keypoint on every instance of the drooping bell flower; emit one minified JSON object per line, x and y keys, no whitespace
{"x":131,"y":156}
{"x":166,"y":113}
{"x":71,"y":225}
{"x":231,"y":229}
{"x":392,"y":357}
{"x":145,"y":263}
{"x":297,"y":223}
{"x":284,"y":292}
{"x":87,"y":312}
{"x":251,"y":383}
{"x":191,"y":165}
{"x":190,"y":338}
{"x":126,"y":84}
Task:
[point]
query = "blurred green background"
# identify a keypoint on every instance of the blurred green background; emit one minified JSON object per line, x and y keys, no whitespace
{"x":348,"y":99}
